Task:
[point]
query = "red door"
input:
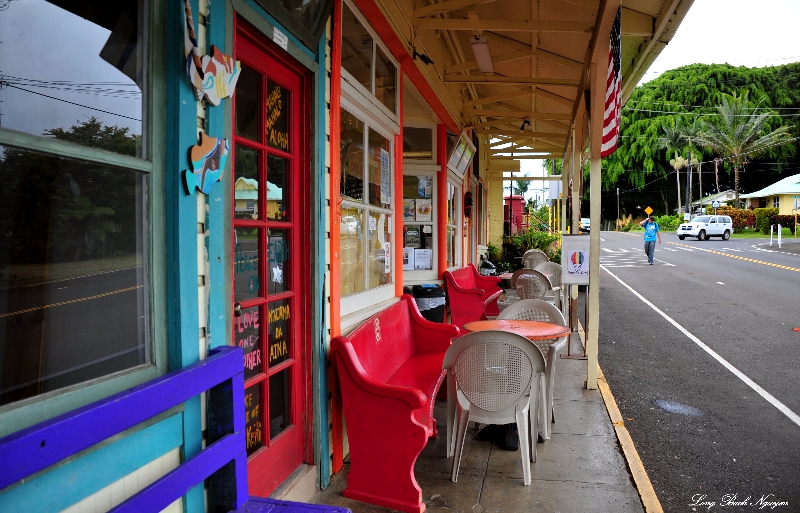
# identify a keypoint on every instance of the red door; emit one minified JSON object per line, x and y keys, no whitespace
{"x":271,"y":256}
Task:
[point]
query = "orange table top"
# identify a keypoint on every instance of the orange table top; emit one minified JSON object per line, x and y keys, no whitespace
{"x":532,"y":330}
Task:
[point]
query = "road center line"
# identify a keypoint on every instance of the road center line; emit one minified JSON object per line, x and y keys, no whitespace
{"x":736,"y":372}
{"x":62,"y":303}
{"x":779,"y":266}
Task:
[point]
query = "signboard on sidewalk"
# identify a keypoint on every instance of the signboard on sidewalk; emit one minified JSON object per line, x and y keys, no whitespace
{"x":575,"y":260}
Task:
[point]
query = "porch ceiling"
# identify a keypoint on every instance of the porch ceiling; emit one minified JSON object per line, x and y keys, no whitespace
{"x":540,"y":49}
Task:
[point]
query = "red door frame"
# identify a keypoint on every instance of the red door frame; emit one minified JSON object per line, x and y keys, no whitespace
{"x":277,"y":458}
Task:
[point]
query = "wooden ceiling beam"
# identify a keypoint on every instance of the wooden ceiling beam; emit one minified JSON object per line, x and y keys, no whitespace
{"x":504,"y":25}
{"x":451,"y":5}
{"x":515,"y":114}
{"x":513,"y":133}
{"x":500,"y":80}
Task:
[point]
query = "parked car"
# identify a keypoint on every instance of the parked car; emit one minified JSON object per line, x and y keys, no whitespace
{"x":704,"y":227}
{"x":585,"y":225}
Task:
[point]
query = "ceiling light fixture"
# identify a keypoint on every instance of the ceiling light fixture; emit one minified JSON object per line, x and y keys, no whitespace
{"x":480,"y":47}
{"x":526,"y":121}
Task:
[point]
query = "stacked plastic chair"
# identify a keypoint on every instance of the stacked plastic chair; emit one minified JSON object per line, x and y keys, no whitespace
{"x":493,"y":378}
{"x":538,"y":310}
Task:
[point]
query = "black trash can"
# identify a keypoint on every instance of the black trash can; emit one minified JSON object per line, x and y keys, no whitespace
{"x":430,"y":300}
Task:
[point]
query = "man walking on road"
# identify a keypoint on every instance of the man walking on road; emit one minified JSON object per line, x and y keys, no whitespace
{"x":651,"y":232}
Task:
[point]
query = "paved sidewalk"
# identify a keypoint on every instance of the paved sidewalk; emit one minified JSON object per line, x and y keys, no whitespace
{"x":580,"y":469}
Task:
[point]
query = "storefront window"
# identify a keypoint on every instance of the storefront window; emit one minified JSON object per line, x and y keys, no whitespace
{"x":361,"y":54}
{"x":74,"y":267}
{"x":74,"y":70}
{"x":366,"y":220}
{"x":418,"y":222}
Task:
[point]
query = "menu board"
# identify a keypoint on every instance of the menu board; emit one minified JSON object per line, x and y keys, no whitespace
{"x":278,"y":331}
{"x":253,"y":418}
{"x":247,"y":331}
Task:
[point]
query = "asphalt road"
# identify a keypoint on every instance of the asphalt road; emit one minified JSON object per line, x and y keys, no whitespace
{"x":708,"y":439}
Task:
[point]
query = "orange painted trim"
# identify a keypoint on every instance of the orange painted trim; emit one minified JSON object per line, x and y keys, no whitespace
{"x":399,"y":275}
{"x":387,"y":35}
{"x":441,"y":199}
{"x":337,"y":444}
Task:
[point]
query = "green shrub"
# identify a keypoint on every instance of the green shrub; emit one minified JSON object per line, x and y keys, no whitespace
{"x":626,"y":223}
{"x":516,"y":245}
{"x":668,"y":223}
{"x":763,"y":218}
{"x":742,"y":218}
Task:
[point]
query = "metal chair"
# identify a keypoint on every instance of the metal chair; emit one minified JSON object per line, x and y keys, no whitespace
{"x":533,"y":257}
{"x":493,"y":378}
{"x":538,"y":310}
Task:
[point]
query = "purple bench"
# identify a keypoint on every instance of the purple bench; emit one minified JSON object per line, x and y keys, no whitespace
{"x":224,"y":460}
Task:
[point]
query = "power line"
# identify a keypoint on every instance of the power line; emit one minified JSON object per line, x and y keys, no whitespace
{"x":73,"y":103}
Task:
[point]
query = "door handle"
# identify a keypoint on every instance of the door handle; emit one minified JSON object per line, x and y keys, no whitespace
{"x":237,"y":310}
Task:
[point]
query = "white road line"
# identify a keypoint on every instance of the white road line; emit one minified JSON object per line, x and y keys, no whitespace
{"x":736,"y":372}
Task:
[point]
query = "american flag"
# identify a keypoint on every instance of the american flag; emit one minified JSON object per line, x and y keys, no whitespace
{"x":613,"y":91}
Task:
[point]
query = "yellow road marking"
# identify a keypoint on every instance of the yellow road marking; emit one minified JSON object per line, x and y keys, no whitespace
{"x":737,"y":257}
{"x":62,"y":303}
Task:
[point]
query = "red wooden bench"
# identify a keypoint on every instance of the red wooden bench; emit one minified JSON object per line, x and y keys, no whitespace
{"x":472,"y":296}
{"x":390,"y":369}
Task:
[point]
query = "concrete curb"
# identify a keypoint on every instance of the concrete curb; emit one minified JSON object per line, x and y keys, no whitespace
{"x":641,"y":480}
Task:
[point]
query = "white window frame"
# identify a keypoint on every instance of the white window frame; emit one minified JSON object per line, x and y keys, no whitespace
{"x":776,"y":202}
{"x":354,"y":87}
{"x":458,"y":184}
{"x":357,"y":301}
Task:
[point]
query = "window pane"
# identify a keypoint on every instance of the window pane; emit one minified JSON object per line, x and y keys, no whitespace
{"x":380,"y":250}
{"x":248,"y":91}
{"x":417,"y":143}
{"x":280,"y":338}
{"x":254,"y":418}
{"x":73,"y":275}
{"x":356,"y":48}
{"x":352,"y":250}
{"x":246,"y":184}
{"x":380,"y":172}
{"x":352,"y":155}
{"x":278,"y":261}
{"x":248,"y":337}
{"x":246,"y":283}
{"x":385,"y":81}
{"x":279,"y":403}
{"x":277,"y":188}
{"x":75,"y":72}
{"x":278,"y":109}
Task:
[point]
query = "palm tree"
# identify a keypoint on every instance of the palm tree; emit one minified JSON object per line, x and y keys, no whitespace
{"x":737,"y":133}
{"x":674,"y":140}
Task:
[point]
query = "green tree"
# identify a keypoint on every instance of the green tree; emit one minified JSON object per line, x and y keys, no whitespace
{"x":740,"y":133}
{"x":674,"y":140}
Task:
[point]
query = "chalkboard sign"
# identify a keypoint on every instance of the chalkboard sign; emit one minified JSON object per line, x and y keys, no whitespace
{"x":247,"y":330}
{"x":254,"y":421}
{"x":278,"y":331}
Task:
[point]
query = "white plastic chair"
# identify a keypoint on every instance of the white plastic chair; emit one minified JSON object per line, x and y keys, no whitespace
{"x":492,"y":378}
{"x":552,"y":271}
{"x":531,"y":284}
{"x":538,"y":310}
{"x":533,"y":257}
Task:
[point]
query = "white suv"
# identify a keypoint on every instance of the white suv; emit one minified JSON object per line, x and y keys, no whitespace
{"x":704,"y":227}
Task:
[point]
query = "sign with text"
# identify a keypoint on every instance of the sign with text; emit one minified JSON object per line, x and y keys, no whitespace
{"x":575,"y":259}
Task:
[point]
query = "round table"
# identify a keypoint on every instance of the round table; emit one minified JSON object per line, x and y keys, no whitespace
{"x":532,"y":330}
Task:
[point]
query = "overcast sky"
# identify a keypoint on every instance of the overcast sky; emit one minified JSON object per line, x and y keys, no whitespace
{"x":737,"y":32}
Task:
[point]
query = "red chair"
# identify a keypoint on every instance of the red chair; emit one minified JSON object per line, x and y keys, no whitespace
{"x":471,"y":295}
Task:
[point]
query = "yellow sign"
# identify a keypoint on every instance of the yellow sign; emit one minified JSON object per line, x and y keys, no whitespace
{"x":648,"y":210}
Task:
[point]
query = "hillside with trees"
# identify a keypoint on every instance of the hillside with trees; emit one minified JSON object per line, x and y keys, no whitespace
{"x":688,"y":98}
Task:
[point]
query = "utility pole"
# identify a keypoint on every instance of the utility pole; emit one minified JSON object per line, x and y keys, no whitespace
{"x":716,"y":174}
{"x":617,"y":229}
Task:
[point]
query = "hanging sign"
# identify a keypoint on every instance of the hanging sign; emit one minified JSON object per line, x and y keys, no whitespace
{"x":386,"y":196}
{"x":213,"y":76}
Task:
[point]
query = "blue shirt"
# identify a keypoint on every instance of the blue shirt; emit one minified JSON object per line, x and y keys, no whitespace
{"x":650,"y":230}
